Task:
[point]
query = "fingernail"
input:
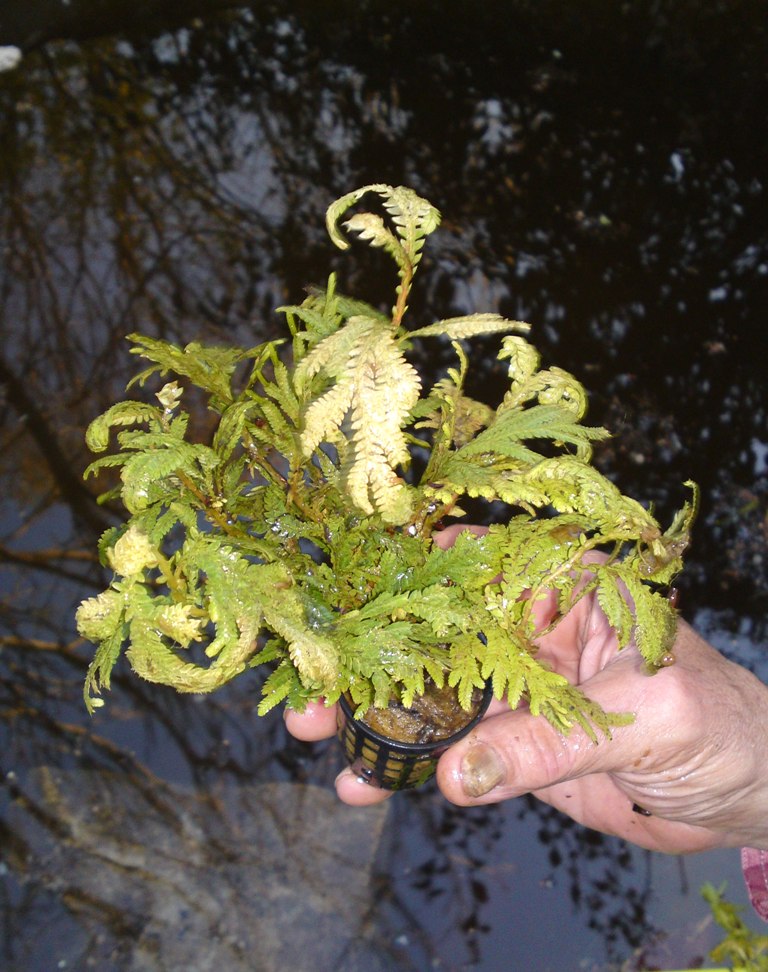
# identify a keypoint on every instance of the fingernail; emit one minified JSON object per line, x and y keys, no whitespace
{"x":481,"y":770}
{"x":361,"y":774}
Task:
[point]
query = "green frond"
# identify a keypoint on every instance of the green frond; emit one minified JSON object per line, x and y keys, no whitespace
{"x":210,"y":367}
{"x":104,"y":462}
{"x":311,"y":313}
{"x":500,"y":663}
{"x":553,"y":386}
{"x":283,"y":684}
{"x":121,"y":413}
{"x":147,"y":475}
{"x":373,"y":557}
{"x":573,"y":486}
{"x":231,"y":428}
{"x":145,"y":478}
{"x":312,"y":652}
{"x":141,"y":440}
{"x":561,"y":389}
{"x":507,"y":659}
{"x":234,"y":590}
{"x":551,"y":695}
{"x":99,"y":672}
{"x":468,"y":418}
{"x":535,"y":555}
{"x":613,"y":599}
{"x":548,"y":422}
{"x":361,"y":692}
{"x":655,"y":618}
{"x":441,"y":607}
{"x":347,"y":307}
{"x":158,"y":628}
{"x":322,"y":313}
{"x":465,"y":673}
{"x":487,"y":480}
{"x":153,"y":655}
{"x":158,"y":520}
{"x":455,"y":417}
{"x":282,"y":525}
{"x":471,"y":563}
{"x":578,"y":709}
{"x":284,"y":433}
{"x":283,"y":392}
{"x":154,"y":659}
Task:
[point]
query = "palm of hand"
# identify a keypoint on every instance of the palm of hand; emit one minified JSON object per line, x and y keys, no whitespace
{"x":683,"y":759}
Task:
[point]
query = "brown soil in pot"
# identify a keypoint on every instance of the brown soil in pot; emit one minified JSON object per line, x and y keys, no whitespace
{"x":433,"y":716}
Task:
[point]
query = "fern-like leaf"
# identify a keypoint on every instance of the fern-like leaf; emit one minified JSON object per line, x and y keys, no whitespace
{"x":613,"y":599}
{"x":655,"y":618}
{"x":414,"y":219}
{"x":146,"y":475}
{"x":537,"y":422}
{"x":330,"y":357}
{"x":370,"y":228}
{"x":386,"y":388}
{"x":465,"y":673}
{"x":375,"y":389}
{"x":121,"y":413}
{"x":471,"y":325}
{"x":523,"y":359}
{"x":312,"y":652}
{"x":210,"y":367}
{"x":231,"y":428}
{"x":573,"y":486}
{"x":283,"y":683}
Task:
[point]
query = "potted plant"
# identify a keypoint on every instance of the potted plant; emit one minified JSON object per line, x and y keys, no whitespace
{"x":299,"y":533}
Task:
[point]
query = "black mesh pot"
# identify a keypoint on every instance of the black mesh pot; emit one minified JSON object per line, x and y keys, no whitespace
{"x":390,"y":764}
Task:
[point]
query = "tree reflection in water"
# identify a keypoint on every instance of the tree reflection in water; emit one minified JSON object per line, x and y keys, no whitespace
{"x":603,"y":178}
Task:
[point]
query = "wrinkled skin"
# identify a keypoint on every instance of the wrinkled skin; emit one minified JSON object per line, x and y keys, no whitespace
{"x":695,"y":756}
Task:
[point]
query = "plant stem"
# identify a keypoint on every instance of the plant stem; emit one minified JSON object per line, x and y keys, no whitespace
{"x":398,"y":312}
{"x":209,"y":508}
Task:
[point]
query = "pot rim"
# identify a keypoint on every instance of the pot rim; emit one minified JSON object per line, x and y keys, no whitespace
{"x":414,"y":749}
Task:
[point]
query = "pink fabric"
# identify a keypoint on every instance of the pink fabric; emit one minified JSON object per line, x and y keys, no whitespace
{"x":754,"y":864}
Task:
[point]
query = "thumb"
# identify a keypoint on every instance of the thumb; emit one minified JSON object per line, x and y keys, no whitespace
{"x":512,"y":753}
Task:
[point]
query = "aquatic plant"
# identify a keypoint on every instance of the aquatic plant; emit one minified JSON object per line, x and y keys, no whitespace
{"x":744,"y":949}
{"x":299,"y":533}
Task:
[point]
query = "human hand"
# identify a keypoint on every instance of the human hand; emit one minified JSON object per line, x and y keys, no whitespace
{"x":694,"y":758}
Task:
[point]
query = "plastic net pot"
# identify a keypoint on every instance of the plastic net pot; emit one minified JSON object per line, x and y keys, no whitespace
{"x":388,"y":763}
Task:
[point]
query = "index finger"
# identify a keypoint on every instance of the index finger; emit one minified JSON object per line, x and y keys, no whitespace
{"x":316,"y":722}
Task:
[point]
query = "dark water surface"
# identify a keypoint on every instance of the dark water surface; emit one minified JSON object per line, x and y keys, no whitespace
{"x":166,"y":168}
